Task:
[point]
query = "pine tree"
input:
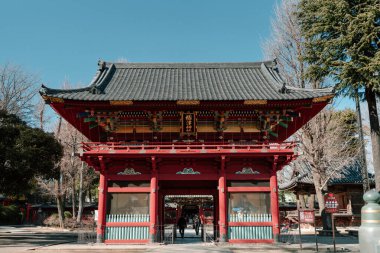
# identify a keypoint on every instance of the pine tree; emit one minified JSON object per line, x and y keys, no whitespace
{"x":343,"y":43}
{"x":25,"y":153}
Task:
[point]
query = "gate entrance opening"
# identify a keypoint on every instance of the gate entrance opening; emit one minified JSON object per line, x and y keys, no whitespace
{"x":196,"y":212}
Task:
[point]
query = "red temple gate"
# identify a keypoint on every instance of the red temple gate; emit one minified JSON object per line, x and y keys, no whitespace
{"x":187,"y":129}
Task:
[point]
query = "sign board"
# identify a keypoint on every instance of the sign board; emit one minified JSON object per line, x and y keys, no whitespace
{"x":96,"y":215}
{"x":331,"y":204}
{"x":188,"y":124}
{"x":307,"y":216}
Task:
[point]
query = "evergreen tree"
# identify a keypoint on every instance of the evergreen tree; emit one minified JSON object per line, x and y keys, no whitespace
{"x":25,"y":152}
{"x":343,"y":43}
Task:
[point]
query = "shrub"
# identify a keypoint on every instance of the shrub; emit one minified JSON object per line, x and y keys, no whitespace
{"x":67,"y":215}
{"x":9,"y":215}
{"x":52,"y":220}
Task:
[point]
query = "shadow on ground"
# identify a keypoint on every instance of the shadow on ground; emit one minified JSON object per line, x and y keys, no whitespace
{"x":22,"y":237}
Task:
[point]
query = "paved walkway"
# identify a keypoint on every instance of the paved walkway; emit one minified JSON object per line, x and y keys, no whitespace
{"x":15,"y":239}
{"x":22,"y":238}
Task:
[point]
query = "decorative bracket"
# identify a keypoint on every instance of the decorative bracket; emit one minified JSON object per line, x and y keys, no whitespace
{"x":220,"y":121}
{"x":222,"y":164}
{"x":156,"y":120}
{"x":102,"y":164}
{"x":275,"y":161}
{"x":154,"y":163}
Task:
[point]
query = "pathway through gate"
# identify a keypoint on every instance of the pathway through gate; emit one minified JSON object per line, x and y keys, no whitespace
{"x":198,"y":211}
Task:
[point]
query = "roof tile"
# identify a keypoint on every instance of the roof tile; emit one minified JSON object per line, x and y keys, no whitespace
{"x":186,"y":81}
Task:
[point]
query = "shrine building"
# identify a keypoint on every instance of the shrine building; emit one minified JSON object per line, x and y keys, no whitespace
{"x":208,"y":136}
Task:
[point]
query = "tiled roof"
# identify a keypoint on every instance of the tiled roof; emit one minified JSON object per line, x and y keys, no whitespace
{"x":186,"y":81}
{"x":347,"y":175}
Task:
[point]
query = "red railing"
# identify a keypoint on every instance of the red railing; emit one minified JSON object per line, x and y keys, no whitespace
{"x":186,"y":147}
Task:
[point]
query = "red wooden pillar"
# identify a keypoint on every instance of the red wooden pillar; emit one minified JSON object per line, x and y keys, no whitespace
{"x":153,"y":202}
{"x":222,"y":202}
{"x":216,"y":215}
{"x":161,"y":213}
{"x":274,"y":201}
{"x":102,"y":198}
{"x":28,"y":209}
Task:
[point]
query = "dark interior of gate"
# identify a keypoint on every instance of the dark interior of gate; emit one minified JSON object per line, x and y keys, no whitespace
{"x":199,"y":140}
{"x":197,"y":215}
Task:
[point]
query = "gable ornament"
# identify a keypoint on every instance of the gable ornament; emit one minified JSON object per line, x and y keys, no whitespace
{"x":247,"y":171}
{"x":129,"y":171}
{"x":188,"y":171}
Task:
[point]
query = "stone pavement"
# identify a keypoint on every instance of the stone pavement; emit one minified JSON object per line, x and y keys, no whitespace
{"x":15,"y":239}
{"x":194,"y":247}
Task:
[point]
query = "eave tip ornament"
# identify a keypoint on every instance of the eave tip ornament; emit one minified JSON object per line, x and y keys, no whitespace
{"x":188,"y":171}
{"x":248,"y":170}
{"x":129,"y":171}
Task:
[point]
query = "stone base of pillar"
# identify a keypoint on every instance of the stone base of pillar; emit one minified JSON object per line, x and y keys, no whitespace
{"x":152,"y":238}
{"x":276,"y":238}
{"x":223,"y":238}
{"x":99,"y":238}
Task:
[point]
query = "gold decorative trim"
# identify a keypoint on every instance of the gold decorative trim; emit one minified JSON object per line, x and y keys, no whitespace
{"x":371,"y":211}
{"x":53,"y":99}
{"x":188,"y":102}
{"x":322,"y":99}
{"x":371,"y":221}
{"x":255,"y":102}
{"x":121,"y":102}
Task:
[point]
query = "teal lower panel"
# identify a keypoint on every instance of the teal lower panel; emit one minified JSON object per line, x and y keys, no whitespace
{"x":126,"y":233}
{"x":250,"y":233}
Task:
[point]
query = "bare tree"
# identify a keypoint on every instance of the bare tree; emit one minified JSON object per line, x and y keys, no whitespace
{"x":69,"y":140}
{"x":56,"y":187}
{"x":17,"y":90}
{"x":73,"y":173}
{"x":286,"y":45}
{"x":329,"y":143}
{"x":86,"y":179}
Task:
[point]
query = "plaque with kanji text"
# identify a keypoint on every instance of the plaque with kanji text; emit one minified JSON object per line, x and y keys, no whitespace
{"x":188,"y":124}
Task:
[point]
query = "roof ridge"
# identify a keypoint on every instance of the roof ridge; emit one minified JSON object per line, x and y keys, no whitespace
{"x":324,"y":89}
{"x":178,"y":65}
{"x":44,"y":90}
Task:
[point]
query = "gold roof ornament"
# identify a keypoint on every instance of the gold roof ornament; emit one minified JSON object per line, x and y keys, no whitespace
{"x":188,"y":102}
{"x":322,"y":99}
{"x":255,"y":102}
{"x":52,"y":99}
{"x":121,"y":102}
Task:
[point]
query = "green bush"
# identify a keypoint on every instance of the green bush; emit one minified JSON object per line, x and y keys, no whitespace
{"x":9,"y":215}
{"x":67,"y":215}
{"x":52,"y":220}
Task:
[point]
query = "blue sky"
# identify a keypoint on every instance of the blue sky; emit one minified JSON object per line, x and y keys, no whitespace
{"x":63,"y":40}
